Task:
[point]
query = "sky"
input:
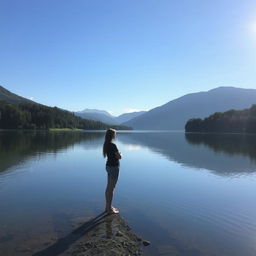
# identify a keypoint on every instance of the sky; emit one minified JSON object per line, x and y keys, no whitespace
{"x":124,"y":55}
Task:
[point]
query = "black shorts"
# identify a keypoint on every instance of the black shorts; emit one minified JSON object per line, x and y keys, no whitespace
{"x":113,"y":171}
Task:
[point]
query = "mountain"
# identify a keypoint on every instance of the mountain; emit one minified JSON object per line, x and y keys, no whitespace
{"x":96,"y":111}
{"x":174,"y":114}
{"x":97,"y":115}
{"x":104,"y":116}
{"x":128,"y":116}
{"x":19,"y":113}
{"x":232,"y":121}
{"x":10,"y":97}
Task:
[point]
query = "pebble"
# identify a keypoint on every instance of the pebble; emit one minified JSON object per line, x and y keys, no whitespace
{"x":146,"y":243}
{"x":118,"y":233}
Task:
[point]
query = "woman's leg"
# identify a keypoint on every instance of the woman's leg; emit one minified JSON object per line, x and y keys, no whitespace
{"x":109,"y":195}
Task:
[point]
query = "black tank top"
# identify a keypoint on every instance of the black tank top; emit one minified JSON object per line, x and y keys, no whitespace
{"x":111,"y":150}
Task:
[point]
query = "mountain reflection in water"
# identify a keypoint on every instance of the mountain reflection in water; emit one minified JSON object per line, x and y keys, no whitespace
{"x":223,"y":154}
{"x":51,"y":182}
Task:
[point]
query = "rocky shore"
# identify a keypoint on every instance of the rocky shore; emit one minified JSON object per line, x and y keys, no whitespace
{"x":107,"y":235}
{"x":103,"y":235}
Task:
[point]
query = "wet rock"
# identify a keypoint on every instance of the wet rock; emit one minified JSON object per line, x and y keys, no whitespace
{"x":146,"y":243}
{"x":98,"y":242}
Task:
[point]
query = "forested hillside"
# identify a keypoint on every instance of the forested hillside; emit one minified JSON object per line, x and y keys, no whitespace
{"x":36,"y":116}
{"x":242,"y":121}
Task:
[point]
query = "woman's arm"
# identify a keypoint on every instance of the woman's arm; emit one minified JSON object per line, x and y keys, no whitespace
{"x":118,"y":155}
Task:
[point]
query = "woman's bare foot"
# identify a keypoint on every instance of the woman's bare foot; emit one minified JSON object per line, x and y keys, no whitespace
{"x":113,"y":210}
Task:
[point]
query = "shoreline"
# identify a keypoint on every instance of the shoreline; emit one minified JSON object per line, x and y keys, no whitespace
{"x":103,"y":235}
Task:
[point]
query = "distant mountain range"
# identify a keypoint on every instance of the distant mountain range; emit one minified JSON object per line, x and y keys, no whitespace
{"x":97,"y":115}
{"x":170,"y":116}
{"x":128,"y":116}
{"x":17,"y":112}
{"x":174,"y":114}
{"x":95,"y":111}
{"x":90,"y":114}
{"x":105,"y":117}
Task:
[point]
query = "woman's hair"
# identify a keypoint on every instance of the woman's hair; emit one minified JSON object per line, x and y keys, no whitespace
{"x":109,"y":136}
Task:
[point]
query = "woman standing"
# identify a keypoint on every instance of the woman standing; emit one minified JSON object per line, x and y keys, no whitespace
{"x":112,"y":167}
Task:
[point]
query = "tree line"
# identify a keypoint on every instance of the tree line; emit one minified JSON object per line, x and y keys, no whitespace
{"x":37,"y":116}
{"x":238,"y":121}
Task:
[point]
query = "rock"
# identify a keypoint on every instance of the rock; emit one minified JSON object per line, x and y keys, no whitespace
{"x":146,"y":243}
{"x":100,"y":241}
{"x":118,"y":233}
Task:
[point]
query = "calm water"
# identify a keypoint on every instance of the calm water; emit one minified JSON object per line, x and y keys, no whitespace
{"x":188,"y":194}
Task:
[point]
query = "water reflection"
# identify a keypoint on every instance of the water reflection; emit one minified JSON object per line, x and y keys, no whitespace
{"x":230,"y":144}
{"x":18,"y":146}
{"x":182,"y":211}
{"x":224,"y":154}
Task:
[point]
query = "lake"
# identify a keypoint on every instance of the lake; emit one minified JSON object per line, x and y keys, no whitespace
{"x":189,"y":194}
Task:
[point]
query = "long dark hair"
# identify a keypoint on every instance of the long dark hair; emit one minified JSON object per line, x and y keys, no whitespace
{"x":109,"y":136}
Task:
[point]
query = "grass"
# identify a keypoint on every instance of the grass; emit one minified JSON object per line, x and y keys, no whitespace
{"x":65,"y":129}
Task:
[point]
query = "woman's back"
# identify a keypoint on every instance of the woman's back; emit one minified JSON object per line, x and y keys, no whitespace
{"x":111,"y":150}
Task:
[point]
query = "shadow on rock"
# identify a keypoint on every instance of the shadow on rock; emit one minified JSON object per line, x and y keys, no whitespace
{"x":107,"y":235}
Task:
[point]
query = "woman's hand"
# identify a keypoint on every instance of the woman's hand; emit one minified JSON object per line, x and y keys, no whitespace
{"x":118,"y":155}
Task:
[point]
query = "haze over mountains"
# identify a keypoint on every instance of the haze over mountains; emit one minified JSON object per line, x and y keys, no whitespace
{"x":174,"y":114}
{"x":106,"y":117}
{"x":97,"y":115}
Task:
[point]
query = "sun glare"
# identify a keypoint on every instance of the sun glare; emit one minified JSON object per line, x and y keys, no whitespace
{"x":254,"y":27}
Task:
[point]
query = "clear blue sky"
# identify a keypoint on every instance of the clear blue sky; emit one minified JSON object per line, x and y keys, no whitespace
{"x":125,"y":54}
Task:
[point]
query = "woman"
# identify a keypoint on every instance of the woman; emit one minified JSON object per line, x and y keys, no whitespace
{"x":112,"y":166}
